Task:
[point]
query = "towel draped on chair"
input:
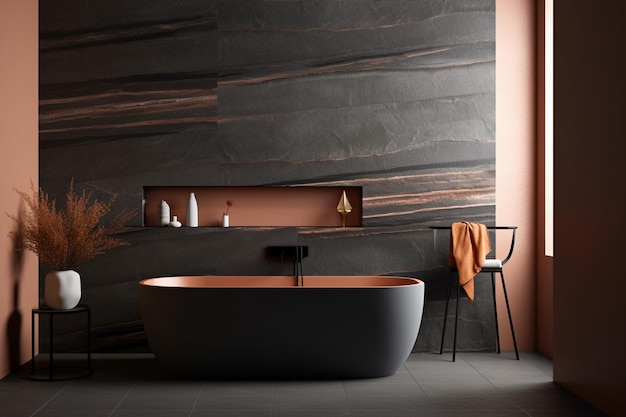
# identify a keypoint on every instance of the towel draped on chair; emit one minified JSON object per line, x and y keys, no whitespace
{"x":469,"y":246}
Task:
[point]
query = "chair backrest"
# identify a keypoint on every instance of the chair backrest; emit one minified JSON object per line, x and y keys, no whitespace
{"x":513,"y":230}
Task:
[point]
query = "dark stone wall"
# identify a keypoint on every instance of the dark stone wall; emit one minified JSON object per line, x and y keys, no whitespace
{"x":395,"y":96}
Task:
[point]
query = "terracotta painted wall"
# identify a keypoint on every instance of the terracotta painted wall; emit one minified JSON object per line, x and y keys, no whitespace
{"x":18,"y":159}
{"x":515,"y":161}
{"x":590,"y":220}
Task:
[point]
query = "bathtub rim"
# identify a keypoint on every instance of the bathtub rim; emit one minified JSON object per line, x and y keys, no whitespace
{"x":253,"y":281}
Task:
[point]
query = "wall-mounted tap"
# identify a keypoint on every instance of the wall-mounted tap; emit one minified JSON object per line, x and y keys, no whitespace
{"x":297,"y":253}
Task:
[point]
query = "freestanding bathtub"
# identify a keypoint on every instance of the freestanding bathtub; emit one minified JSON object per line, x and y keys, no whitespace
{"x":222,"y":327}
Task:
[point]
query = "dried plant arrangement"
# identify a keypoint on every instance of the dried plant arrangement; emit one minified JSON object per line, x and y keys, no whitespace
{"x":66,"y":238}
{"x":229,"y":204}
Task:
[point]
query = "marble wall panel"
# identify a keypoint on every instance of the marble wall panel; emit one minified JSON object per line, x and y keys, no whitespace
{"x":395,"y":96}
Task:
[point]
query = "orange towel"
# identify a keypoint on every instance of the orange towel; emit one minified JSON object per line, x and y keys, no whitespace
{"x":469,"y":246}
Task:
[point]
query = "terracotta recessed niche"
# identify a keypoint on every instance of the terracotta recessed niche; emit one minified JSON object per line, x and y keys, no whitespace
{"x":304,"y":206}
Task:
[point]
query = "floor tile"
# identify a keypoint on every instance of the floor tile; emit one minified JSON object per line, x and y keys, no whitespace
{"x":237,"y":388}
{"x":359,"y":388}
{"x":150,"y":413}
{"x":427,"y":385}
{"x":584,"y":412}
{"x":167,"y":388}
{"x":385,"y":404}
{"x":309,"y":413}
{"x":72,"y":413}
{"x":310,"y":402}
{"x":226,"y":413}
{"x":67,"y":401}
{"x":234,"y":402}
{"x":158,"y":402}
{"x":482,"y":413}
{"x":309,"y":388}
{"x":395,"y":413}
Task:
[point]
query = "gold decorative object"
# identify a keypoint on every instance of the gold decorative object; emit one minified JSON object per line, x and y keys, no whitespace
{"x":344,"y":208}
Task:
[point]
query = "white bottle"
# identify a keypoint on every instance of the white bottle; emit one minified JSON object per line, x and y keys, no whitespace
{"x":192,"y":211}
{"x":163,"y":213}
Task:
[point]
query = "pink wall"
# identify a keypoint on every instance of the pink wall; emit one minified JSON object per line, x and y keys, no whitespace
{"x":18,"y":159}
{"x":515,"y":162}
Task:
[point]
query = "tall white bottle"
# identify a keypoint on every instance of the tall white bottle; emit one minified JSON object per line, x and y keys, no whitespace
{"x":192,"y":211}
{"x":164,"y":213}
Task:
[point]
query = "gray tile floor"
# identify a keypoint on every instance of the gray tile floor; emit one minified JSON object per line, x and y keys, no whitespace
{"x":428,"y":385}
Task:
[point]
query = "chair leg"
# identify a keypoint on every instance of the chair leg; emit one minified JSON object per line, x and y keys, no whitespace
{"x":495,"y":310}
{"x":445,"y":314}
{"x":508,"y":308}
{"x":456,"y":319}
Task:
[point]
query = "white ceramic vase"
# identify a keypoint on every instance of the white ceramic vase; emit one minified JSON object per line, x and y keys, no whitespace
{"x":192,"y":211}
{"x":225,"y":220}
{"x":164,"y":213}
{"x":62,"y":289}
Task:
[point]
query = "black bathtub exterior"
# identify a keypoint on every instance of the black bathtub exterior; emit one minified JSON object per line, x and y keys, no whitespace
{"x":283,"y":332}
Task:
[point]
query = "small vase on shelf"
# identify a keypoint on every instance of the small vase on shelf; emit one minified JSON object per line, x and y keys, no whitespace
{"x":192,"y":211}
{"x":175,"y":222}
{"x":225,"y":218}
{"x":164,"y":213}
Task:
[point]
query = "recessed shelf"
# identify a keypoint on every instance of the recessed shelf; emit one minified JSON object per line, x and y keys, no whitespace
{"x":267,"y":206}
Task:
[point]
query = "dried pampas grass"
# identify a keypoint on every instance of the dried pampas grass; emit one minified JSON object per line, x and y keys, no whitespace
{"x":66,"y":238}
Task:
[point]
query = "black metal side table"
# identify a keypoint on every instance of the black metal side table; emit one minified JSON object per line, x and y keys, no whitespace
{"x":68,"y":372}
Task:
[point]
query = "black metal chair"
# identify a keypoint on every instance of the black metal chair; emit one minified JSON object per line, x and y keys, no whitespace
{"x":491,"y":266}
